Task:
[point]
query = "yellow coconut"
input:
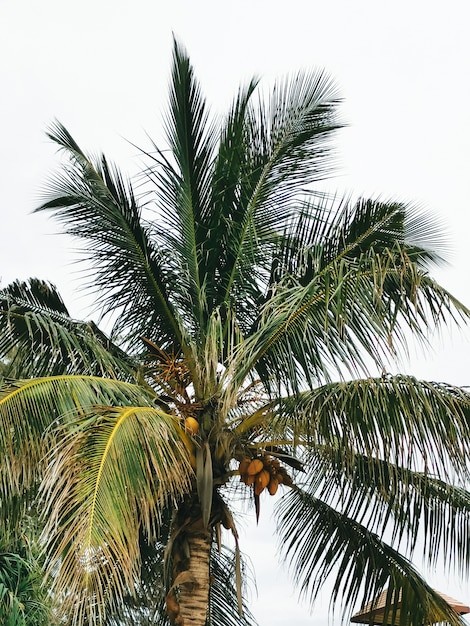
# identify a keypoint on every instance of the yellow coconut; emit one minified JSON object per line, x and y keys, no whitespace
{"x":273,"y":485}
{"x":242,"y":468}
{"x":261,"y":481}
{"x":191,"y":425}
{"x":254,"y":467}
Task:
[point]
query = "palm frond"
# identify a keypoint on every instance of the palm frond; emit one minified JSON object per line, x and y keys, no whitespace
{"x":331,"y":227}
{"x":114,"y":470}
{"x":38,"y":336}
{"x":357,"y":227}
{"x":290,"y":138}
{"x":129,"y":275}
{"x":319,"y":542}
{"x":223,"y":602}
{"x":182,"y":182}
{"x":144,"y":603}
{"x":408,"y":505}
{"x":30,"y":408}
{"x":415,"y":424}
{"x":273,"y":153}
{"x":354,"y":313}
{"x":227,"y":221}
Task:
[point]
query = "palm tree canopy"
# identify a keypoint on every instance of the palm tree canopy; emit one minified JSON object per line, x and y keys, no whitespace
{"x":248,"y":315}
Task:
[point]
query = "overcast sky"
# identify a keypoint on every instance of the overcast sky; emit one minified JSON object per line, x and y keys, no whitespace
{"x":101,"y":67}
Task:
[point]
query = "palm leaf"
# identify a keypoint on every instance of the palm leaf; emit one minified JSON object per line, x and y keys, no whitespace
{"x":357,"y":227}
{"x":38,"y":337}
{"x":130,"y":276}
{"x":329,"y":228}
{"x":406,"y":504}
{"x":226,"y":221}
{"x":319,"y":541}
{"x":182,"y":181}
{"x":352,"y":313}
{"x":290,"y":138}
{"x":114,"y":470}
{"x":272,"y":155}
{"x":416,"y":424}
{"x":223,"y":600}
{"x":30,"y":408}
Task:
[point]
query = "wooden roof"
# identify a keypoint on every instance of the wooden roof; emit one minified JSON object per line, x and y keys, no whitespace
{"x":373,"y":613}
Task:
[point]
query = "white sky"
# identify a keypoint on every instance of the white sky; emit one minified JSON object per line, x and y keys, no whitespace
{"x":101,"y":67}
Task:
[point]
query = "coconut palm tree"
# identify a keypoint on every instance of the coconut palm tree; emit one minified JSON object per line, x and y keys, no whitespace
{"x":251,"y":321}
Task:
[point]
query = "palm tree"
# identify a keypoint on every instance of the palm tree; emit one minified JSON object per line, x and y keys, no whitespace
{"x":248,"y":314}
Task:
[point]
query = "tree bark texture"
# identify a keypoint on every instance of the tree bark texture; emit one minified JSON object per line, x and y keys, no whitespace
{"x":188,"y":600}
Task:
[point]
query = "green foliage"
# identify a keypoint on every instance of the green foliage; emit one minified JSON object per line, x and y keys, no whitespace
{"x":23,"y":599}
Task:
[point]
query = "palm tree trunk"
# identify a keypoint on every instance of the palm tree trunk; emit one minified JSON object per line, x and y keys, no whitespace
{"x":190,"y":609}
{"x":194,"y":596}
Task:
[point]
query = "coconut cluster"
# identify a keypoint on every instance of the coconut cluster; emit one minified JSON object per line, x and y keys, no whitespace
{"x":263,"y":472}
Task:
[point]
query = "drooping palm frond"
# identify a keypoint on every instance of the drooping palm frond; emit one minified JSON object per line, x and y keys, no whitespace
{"x":29,"y":409}
{"x":38,"y":337}
{"x":144,"y":603}
{"x":223,"y":601}
{"x":355,"y":228}
{"x":320,"y":542}
{"x":409,"y":506}
{"x":113,"y":471}
{"x":329,"y":228}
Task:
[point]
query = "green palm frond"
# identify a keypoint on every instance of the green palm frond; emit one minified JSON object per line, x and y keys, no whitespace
{"x":357,"y":227}
{"x":129,"y":275}
{"x":353,"y":313}
{"x":114,"y":469}
{"x":192,"y":141}
{"x":223,"y":601}
{"x":329,"y":228}
{"x":320,"y":542}
{"x":29,"y":409}
{"x":410,"y":506}
{"x":416,"y":424}
{"x":282,"y":142}
{"x":227,"y":222}
{"x":181,"y":178}
{"x":38,"y":336}
{"x":290,"y":138}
